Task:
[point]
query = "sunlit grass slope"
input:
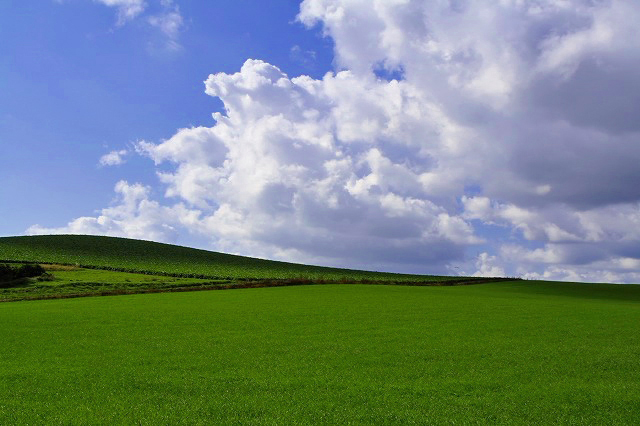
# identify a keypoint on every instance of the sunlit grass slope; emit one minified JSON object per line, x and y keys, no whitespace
{"x":508,"y":353}
{"x":70,"y":281}
{"x":150,"y":257}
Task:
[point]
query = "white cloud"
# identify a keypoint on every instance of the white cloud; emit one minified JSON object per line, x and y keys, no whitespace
{"x":126,"y":9}
{"x":114,"y":158}
{"x":306,"y":58}
{"x":290,"y":168}
{"x":516,"y":116}
{"x":170,"y":22}
{"x":167,"y":20}
{"x":487,"y":266}
{"x":133,"y":216}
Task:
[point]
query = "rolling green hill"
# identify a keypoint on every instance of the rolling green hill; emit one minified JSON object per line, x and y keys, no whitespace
{"x":129,"y":255}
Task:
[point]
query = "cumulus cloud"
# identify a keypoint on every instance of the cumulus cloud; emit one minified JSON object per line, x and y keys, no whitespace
{"x":447,"y":124}
{"x":578,"y":245}
{"x":114,"y":158}
{"x":290,"y":168}
{"x":488,"y":266}
{"x":134,"y":215}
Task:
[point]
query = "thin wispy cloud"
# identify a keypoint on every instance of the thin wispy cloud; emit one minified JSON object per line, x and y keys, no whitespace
{"x":306,"y":58}
{"x":126,"y":9}
{"x":170,"y":23}
{"x":165,"y":17}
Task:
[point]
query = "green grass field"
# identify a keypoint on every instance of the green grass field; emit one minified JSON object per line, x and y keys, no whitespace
{"x":165,"y":259}
{"x":516,"y":353}
{"x":67,"y":281}
{"x":509,"y":352}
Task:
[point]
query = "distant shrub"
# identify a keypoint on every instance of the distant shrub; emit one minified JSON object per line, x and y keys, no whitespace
{"x":29,"y":270}
{"x":7,"y":273}
{"x":46,"y":277}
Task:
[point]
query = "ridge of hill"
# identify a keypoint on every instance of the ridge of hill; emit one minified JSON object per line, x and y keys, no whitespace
{"x":124,"y":254}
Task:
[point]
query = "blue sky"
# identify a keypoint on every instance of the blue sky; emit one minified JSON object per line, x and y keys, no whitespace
{"x":404,"y":135}
{"x":76,"y":85}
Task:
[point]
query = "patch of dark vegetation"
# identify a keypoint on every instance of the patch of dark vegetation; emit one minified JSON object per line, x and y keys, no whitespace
{"x":11,"y":275}
{"x":46,"y":277}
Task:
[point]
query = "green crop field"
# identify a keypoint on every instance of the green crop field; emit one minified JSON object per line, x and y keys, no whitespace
{"x":510,"y":353}
{"x":165,"y":259}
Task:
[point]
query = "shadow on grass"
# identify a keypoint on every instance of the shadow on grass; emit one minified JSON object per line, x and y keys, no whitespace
{"x":17,"y":283}
{"x":617,"y":292}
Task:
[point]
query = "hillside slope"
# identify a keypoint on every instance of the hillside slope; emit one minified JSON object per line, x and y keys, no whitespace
{"x":151,"y":257}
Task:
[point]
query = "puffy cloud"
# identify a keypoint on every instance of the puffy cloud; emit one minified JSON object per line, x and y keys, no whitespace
{"x":133,"y":216}
{"x":510,"y":116}
{"x":545,"y":91}
{"x":487,"y":266}
{"x":588,"y":245}
{"x":113,"y":158}
{"x":324,"y":170}
{"x":572,"y":263}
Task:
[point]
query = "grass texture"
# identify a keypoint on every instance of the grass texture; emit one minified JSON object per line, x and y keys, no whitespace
{"x":68,"y":281}
{"x":129,"y":255}
{"x":510,"y":353}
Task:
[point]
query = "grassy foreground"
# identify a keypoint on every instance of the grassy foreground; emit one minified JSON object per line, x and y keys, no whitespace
{"x":517,"y":352}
